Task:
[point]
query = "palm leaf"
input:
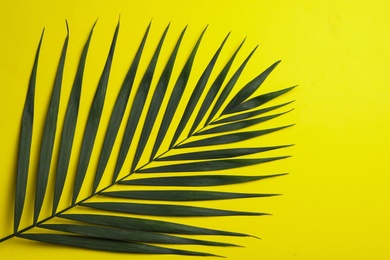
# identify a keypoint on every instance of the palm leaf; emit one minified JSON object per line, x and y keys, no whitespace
{"x":108,"y":231}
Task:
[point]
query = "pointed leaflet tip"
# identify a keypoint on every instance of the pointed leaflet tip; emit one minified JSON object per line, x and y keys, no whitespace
{"x":93,"y":26}
{"x":67,"y":26}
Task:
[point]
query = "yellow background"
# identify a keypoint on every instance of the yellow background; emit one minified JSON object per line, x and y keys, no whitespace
{"x":336,"y":198}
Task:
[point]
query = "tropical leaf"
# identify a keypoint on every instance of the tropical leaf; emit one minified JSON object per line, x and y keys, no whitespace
{"x":212,"y":120}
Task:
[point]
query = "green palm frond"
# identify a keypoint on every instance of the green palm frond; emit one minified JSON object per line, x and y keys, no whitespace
{"x":214,"y":118}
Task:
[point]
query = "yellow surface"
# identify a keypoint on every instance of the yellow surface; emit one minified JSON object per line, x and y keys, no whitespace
{"x":335,"y":203}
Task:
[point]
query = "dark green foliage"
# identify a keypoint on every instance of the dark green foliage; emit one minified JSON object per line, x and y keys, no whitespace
{"x":204,"y":126}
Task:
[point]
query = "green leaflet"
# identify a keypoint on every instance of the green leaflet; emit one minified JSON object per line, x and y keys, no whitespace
{"x":211,"y":94}
{"x":175,"y":97}
{"x":68,"y":131}
{"x":166,"y":209}
{"x":107,"y":245}
{"x":117,"y":114}
{"x":128,"y":235}
{"x":230,"y":138}
{"x":194,"y":99}
{"x":218,"y":154}
{"x":137,"y":107}
{"x":239,"y":125}
{"x":25,"y":143}
{"x":93,"y":121}
{"x":215,"y":165}
{"x":249,"y":89}
{"x":248,"y":114}
{"x":228,"y":88}
{"x":47,"y":144}
{"x":259,"y":100}
{"x":147,"y":225}
{"x":196,"y":181}
{"x":180,"y":195}
{"x":155,"y":104}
